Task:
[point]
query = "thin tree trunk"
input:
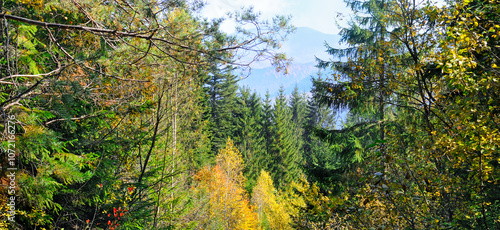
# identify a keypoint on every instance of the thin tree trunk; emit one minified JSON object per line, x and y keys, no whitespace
{"x":174,"y":146}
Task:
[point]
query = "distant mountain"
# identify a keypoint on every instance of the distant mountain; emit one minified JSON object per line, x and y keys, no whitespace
{"x":302,"y":47}
{"x":265,"y":79}
{"x":306,"y":43}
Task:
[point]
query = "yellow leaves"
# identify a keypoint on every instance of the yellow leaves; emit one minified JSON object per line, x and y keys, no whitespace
{"x":270,"y":207}
{"x":223,"y":185}
{"x":357,"y":86}
{"x":231,"y":161}
{"x":33,"y":3}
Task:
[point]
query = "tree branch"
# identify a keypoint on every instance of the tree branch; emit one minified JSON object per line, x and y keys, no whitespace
{"x":74,"y":118}
{"x":53,"y":72}
{"x":145,"y":35}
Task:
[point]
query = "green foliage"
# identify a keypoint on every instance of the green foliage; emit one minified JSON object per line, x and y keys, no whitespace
{"x":421,"y":115}
{"x":117,"y":124}
{"x":321,"y":165}
{"x":249,"y":135}
{"x":284,"y":147}
{"x":221,"y":89}
{"x":298,"y":105}
{"x":110,"y":118}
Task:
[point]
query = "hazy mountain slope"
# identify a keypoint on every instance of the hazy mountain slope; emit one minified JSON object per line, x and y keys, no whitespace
{"x":302,"y":47}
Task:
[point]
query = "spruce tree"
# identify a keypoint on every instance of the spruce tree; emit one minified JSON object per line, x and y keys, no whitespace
{"x":221,"y":89}
{"x":298,"y":106}
{"x":321,"y":165}
{"x":286,"y":155}
{"x":267,"y":122}
{"x":249,"y":136}
{"x":360,"y":82}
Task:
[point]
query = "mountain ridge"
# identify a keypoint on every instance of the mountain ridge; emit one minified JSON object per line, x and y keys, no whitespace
{"x":303,"y":47}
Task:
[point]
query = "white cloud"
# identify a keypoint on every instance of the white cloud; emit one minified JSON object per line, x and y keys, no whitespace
{"x":316,"y":14}
{"x":219,"y":8}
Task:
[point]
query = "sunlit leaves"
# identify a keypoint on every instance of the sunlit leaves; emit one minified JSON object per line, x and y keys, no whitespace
{"x":223,"y":186}
{"x":273,"y":212}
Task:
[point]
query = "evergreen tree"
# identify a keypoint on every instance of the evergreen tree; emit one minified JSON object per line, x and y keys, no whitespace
{"x":321,"y":165}
{"x":286,"y":156}
{"x":360,"y":83}
{"x":222,"y":89}
{"x":298,"y":106}
{"x":267,"y":122}
{"x":249,"y":136}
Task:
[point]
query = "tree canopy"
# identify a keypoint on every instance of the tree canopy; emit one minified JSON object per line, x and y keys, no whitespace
{"x":129,"y":115}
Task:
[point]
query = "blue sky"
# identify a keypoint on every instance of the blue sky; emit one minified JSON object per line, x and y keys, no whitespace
{"x":317,"y":14}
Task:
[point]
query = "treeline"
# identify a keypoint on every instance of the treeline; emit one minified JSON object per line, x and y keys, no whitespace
{"x":263,"y":149}
{"x":271,"y":133}
{"x":127,"y":115}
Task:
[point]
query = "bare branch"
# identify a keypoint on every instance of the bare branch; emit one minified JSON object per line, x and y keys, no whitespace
{"x":74,"y":118}
{"x":53,"y":72}
{"x":85,"y":66}
{"x":147,"y":35}
{"x":143,"y":35}
{"x":22,"y":93}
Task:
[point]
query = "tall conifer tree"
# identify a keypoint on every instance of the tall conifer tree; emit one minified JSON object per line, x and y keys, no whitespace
{"x":298,"y":106}
{"x":267,"y":122}
{"x":249,"y":136}
{"x":286,"y":155}
{"x":222,"y":90}
{"x":320,"y":164}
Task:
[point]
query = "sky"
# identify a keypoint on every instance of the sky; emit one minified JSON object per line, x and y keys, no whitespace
{"x":320,"y":15}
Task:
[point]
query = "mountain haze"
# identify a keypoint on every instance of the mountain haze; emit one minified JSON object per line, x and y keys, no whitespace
{"x":303,"y":47}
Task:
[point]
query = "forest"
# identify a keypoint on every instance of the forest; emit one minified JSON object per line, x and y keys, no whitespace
{"x":127,"y":115}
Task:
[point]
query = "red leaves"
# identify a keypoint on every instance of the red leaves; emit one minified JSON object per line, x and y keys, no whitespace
{"x":117,"y":213}
{"x":130,"y":189}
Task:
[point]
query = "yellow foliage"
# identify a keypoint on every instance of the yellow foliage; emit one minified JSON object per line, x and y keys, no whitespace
{"x":271,"y":209}
{"x":229,"y":207}
{"x":230,"y":161}
{"x":33,"y":3}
